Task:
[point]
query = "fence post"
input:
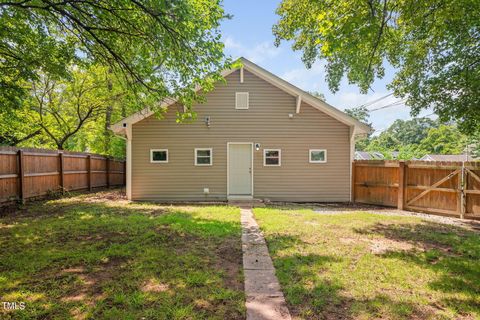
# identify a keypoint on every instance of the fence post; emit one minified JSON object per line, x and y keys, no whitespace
{"x":353,"y":182}
{"x":21,"y":175}
{"x":62,"y":177}
{"x":401,"y":184}
{"x":108,"y":172}
{"x":89,"y":172}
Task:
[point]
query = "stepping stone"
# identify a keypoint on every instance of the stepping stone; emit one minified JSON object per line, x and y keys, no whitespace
{"x":253,"y":238}
{"x":265,"y":307}
{"x":262,"y":282}
{"x":254,"y":261}
{"x":254,"y":248}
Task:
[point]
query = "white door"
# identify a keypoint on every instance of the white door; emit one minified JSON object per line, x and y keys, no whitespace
{"x":240,"y":169}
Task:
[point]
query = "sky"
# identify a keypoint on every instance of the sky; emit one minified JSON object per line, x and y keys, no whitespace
{"x":249,"y":34}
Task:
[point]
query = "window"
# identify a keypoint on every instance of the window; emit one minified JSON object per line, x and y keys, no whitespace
{"x":203,"y":156}
{"x":241,"y":100}
{"x":318,"y":155}
{"x":158,"y":155}
{"x":272,"y":157}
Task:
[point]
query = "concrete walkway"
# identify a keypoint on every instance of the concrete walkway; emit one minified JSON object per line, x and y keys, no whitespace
{"x":264,"y":297}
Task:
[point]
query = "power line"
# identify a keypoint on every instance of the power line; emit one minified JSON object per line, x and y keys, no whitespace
{"x":393,"y":104}
{"x":366,"y":104}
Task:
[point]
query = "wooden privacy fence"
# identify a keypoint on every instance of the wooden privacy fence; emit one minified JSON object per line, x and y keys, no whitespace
{"x":446,"y":188}
{"x":30,"y":173}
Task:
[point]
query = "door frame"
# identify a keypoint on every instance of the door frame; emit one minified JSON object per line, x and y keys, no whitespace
{"x":228,"y":172}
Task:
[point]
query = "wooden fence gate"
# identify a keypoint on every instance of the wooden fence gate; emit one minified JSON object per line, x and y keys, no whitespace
{"x":446,"y":188}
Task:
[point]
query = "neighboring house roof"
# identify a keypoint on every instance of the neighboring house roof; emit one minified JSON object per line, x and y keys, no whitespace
{"x":364,"y":155}
{"x":447,"y":157}
{"x":394,"y":154}
{"x":359,"y":127}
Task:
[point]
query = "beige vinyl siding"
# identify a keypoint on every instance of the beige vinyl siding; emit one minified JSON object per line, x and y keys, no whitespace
{"x":265,"y":122}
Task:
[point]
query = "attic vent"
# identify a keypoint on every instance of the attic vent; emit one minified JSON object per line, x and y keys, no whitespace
{"x":241,"y":100}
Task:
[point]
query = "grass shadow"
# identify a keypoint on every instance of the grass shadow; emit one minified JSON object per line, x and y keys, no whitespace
{"x":452,"y":253}
{"x":312,"y":294}
{"x":108,"y":259}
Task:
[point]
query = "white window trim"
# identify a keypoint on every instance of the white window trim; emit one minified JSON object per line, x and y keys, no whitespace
{"x":248,"y":100}
{"x":310,"y":156}
{"x":157,"y":161}
{"x":203,"y":164}
{"x":265,"y":158}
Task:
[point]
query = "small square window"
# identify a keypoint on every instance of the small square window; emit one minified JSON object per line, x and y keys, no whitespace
{"x":241,"y":100}
{"x":272,"y":157}
{"x":318,"y":155}
{"x":158,"y":155}
{"x":203,"y":156}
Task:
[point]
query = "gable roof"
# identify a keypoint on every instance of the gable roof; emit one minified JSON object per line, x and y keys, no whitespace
{"x":359,"y":127}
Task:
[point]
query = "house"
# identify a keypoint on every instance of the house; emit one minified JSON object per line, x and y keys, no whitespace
{"x":447,"y":157}
{"x":256,"y":136}
{"x":365,"y":155}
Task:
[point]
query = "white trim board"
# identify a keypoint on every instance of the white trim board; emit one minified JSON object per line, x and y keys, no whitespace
{"x":302,"y":96}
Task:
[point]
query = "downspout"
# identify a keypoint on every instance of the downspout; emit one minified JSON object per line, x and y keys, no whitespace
{"x":128,"y":133}
{"x":352,"y":157}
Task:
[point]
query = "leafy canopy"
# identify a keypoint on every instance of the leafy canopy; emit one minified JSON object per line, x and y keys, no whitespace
{"x":160,"y":48}
{"x":434,"y":45}
{"x":417,"y":137}
{"x":72,"y":114}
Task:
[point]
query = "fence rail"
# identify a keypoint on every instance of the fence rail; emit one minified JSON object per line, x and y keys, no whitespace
{"x":445,"y":188}
{"x":31,"y":173}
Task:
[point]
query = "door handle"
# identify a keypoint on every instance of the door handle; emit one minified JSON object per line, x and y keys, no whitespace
{"x":250,"y":170}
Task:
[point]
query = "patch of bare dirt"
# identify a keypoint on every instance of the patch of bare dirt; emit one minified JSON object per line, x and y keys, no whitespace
{"x":382,"y":245}
{"x":89,"y":289}
{"x":153,"y":285}
{"x":348,"y":240}
{"x":229,"y":259}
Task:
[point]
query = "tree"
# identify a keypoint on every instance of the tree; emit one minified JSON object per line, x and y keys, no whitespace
{"x":318,"y":95}
{"x":402,"y":133}
{"x":160,"y":48}
{"x":73,"y":114}
{"x":445,"y":139}
{"x":434,"y":46}
{"x":62,"y":108}
{"x":363,"y":115}
{"x":360,"y":113}
{"x":411,"y":131}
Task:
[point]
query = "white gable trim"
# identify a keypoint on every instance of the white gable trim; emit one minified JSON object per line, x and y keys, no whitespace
{"x":302,"y":96}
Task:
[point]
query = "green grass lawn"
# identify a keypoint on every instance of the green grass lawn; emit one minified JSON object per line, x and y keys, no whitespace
{"x":100,"y":257}
{"x":360,"y":265}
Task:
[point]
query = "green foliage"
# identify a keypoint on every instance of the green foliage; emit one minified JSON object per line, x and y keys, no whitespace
{"x":318,"y":94}
{"x":445,"y":139}
{"x":433,"y":44}
{"x":474,"y":146}
{"x":417,"y":137}
{"x":363,"y":115}
{"x":406,"y":132}
{"x":70,"y":113}
{"x":160,"y":48}
{"x":360,"y":113}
